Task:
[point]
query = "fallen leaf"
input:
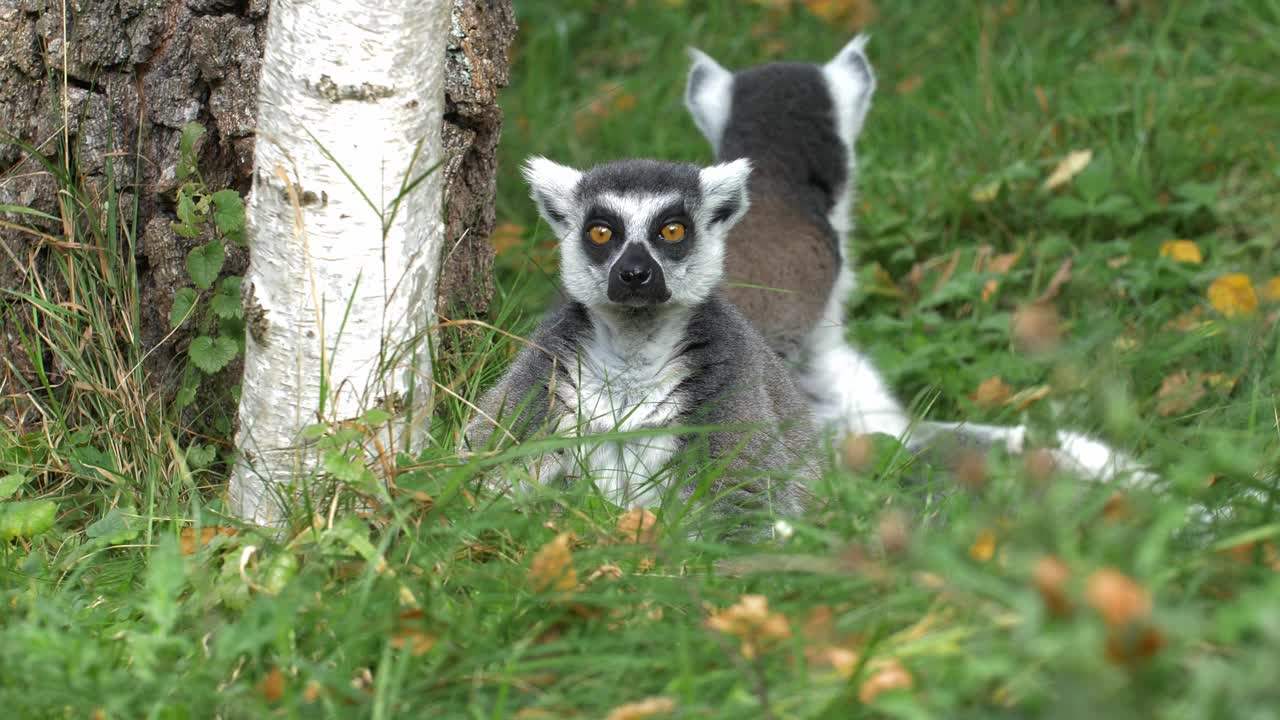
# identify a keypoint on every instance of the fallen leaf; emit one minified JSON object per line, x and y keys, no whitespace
{"x":843,"y":660}
{"x":1221,"y":383}
{"x":989,"y":289}
{"x":909,"y":84}
{"x":638,"y":526}
{"x":1183,"y":251}
{"x":894,"y":533}
{"x":985,"y":193}
{"x":1271,"y":291}
{"x":1118,"y":262}
{"x":1178,"y":393}
{"x":647,"y":708}
{"x":858,"y":452}
{"x":992,"y":393}
{"x":552,"y":567}
{"x":272,"y":686}
{"x":751,"y":622}
{"x":1133,"y":643}
{"x":1036,"y":328}
{"x":188,"y":543}
{"x":1042,"y":99}
{"x":1050,"y":576}
{"x":885,"y":676}
{"x":984,"y":547}
{"x":1068,"y":168}
{"x":418,"y":641}
{"x":606,"y":572}
{"x":312,"y":691}
{"x":1233,"y":294}
{"x":1117,"y":598}
{"x":1117,"y":508}
{"x":1189,"y":320}
{"x":1002,"y":263}
{"x":846,"y":14}
{"x":1024,"y":399}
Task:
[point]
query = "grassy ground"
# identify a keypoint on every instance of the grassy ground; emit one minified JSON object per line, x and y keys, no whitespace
{"x":1027,"y":594}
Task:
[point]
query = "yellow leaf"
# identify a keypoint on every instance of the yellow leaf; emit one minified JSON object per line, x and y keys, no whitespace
{"x":272,"y":686}
{"x":985,"y":192}
{"x":1024,"y":399}
{"x":984,"y":547}
{"x":1271,"y":291}
{"x":1233,"y":294}
{"x":1183,"y":251}
{"x":988,"y":289}
{"x":850,"y":14}
{"x":189,"y":544}
{"x":647,"y":708}
{"x":552,"y":566}
{"x":1068,"y":167}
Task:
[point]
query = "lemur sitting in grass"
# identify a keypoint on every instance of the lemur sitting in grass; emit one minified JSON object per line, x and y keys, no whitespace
{"x":647,"y":342}
{"x":788,"y":264}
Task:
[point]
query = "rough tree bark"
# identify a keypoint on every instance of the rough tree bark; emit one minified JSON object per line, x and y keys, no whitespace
{"x":138,"y":70}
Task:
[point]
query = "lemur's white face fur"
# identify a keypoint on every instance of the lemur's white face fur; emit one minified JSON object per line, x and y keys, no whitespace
{"x":640,"y":233}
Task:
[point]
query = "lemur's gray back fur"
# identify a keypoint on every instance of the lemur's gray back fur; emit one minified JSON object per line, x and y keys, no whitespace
{"x":723,"y":373}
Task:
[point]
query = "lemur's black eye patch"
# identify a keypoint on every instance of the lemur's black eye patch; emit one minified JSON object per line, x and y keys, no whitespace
{"x":602,"y":232}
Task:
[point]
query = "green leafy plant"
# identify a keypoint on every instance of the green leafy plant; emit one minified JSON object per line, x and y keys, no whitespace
{"x":212,"y":307}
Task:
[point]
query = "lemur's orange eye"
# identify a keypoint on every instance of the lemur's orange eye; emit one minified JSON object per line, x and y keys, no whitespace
{"x":600,"y":234}
{"x":673,"y":232}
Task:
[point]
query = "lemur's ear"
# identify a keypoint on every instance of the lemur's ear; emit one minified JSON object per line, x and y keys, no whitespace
{"x":852,"y":83}
{"x":552,"y":187}
{"x":709,"y":96}
{"x":725,"y":196}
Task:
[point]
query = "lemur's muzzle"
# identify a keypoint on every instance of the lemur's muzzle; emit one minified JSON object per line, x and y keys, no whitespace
{"x":636,"y":278}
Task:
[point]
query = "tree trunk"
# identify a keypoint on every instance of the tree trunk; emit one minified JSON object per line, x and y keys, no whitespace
{"x":137,"y":71}
{"x":346,"y":231}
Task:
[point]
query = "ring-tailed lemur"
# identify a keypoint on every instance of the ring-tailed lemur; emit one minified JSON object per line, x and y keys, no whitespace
{"x":788,"y":263}
{"x":646,"y":340}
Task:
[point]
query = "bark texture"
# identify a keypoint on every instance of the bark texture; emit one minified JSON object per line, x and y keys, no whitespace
{"x":138,"y":70}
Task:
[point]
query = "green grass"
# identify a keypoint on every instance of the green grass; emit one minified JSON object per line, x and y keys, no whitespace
{"x":103,"y":612}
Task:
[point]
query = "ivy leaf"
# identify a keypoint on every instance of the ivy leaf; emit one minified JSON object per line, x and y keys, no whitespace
{"x":191,"y":134}
{"x":9,"y":485}
{"x":184,"y":302}
{"x":228,"y":215}
{"x":26,"y":519}
{"x":200,"y":456}
{"x":187,"y":219}
{"x":226,"y":301}
{"x":204,"y":263}
{"x":211,"y":355}
{"x":112,"y":529}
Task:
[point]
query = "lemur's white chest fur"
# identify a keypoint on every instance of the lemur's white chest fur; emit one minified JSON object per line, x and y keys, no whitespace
{"x":625,"y":379}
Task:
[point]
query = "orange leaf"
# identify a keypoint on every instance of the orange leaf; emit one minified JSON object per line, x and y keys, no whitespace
{"x":638,"y":525}
{"x":1233,"y":294}
{"x":751,"y":622}
{"x":1178,"y":393}
{"x":188,"y":543}
{"x":552,"y":566}
{"x":272,"y":686}
{"x":887,"y":675}
{"x":992,"y":392}
{"x":1183,"y":251}
{"x":1117,"y":598}
{"x":506,"y":236}
{"x":909,"y":84}
{"x":848,"y":14}
{"x":1050,"y":576}
{"x":1068,"y":168}
{"x":647,"y":708}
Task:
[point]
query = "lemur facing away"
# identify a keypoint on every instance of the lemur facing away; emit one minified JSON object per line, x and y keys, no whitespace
{"x":647,"y":341}
{"x":788,"y":266}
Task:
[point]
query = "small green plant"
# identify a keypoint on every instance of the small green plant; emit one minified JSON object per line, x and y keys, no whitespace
{"x":213,"y":306}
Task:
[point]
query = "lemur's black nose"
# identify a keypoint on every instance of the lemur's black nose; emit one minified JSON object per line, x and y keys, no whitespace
{"x":636,"y":275}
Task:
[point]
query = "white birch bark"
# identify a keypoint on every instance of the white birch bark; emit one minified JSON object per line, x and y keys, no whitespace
{"x":342,"y":297}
